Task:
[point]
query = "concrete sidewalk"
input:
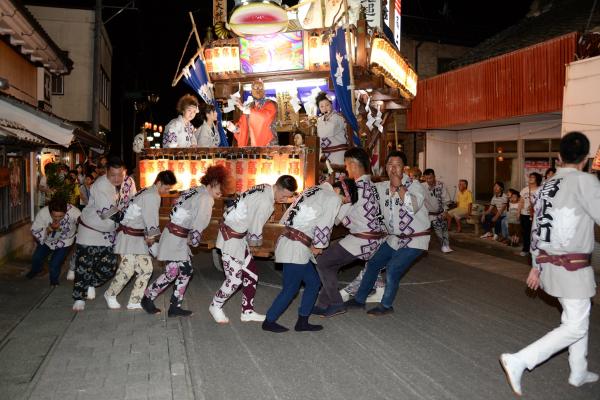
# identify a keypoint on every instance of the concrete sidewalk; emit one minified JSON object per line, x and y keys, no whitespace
{"x":454,"y":315}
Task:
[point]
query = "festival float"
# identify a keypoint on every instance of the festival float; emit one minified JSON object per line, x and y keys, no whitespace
{"x":296,"y":52}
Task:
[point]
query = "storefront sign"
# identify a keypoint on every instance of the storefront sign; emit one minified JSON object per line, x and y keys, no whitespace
{"x":539,"y":166}
{"x":270,"y":53}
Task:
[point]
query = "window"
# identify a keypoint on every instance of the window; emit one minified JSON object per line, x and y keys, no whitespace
{"x":104,"y":89}
{"x":58,"y":85}
{"x":495,"y":161}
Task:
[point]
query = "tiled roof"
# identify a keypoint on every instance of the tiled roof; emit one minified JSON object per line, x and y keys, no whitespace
{"x":562,"y":17}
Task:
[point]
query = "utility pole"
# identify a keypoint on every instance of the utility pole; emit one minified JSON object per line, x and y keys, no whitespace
{"x":96,"y":72}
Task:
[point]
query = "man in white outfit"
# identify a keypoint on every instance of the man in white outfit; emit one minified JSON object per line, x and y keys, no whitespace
{"x":562,"y":242}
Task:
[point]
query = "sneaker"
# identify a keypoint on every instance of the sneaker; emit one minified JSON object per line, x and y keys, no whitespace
{"x":319,"y":310}
{"x":446,"y":249}
{"x":335,"y":309}
{"x":513,"y":368}
{"x":345,"y":295}
{"x":53,"y":284}
{"x":79,"y":305}
{"x":111,"y":301}
{"x":273,"y":327}
{"x":495,"y":237}
{"x":175,"y":311}
{"x":486,"y":235}
{"x":380,"y":310}
{"x":30,"y":275}
{"x":91,"y":293}
{"x":148,"y":306}
{"x":352,"y":303}
{"x":134,"y":306}
{"x":376,"y":295}
{"x":251,"y":316}
{"x":71,"y":275}
{"x":524,"y":253}
{"x":218,"y":314}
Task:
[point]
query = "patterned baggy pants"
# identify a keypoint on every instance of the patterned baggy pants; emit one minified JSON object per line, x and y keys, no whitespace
{"x":440,"y":226}
{"x":178,"y":271}
{"x":238,"y":272}
{"x":94,"y":265}
{"x":140,"y":264}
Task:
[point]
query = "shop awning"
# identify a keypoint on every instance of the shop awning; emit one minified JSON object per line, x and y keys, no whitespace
{"x":36,"y":121}
{"x":12,"y":132}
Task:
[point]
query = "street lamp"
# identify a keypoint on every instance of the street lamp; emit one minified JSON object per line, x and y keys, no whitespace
{"x":4,"y":85}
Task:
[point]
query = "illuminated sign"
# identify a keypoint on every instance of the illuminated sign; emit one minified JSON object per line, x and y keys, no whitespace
{"x":269,"y":53}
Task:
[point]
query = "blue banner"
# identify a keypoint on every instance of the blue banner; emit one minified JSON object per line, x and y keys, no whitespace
{"x":197,"y":78}
{"x":340,"y":74}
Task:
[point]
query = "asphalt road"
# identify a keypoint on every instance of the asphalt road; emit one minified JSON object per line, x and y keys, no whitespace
{"x":453,"y":316}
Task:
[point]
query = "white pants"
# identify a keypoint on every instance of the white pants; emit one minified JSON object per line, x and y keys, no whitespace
{"x":572,"y":333}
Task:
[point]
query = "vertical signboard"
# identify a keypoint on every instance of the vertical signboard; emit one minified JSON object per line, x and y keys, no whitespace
{"x":219,"y":11}
{"x":397,"y":25}
{"x":373,"y":13}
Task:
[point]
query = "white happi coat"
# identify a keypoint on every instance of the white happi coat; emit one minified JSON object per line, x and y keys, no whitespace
{"x":313,"y":213}
{"x":567,"y":206}
{"x":102,"y":203}
{"x":249,"y":213}
{"x":179,"y":133}
{"x":126,"y":192}
{"x":141,"y":213}
{"x":437,"y":198}
{"x":404,"y":217}
{"x":64,"y":236}
{"x":363,"y":216}
{"x":207,"y":136}
{"x":331,"y":129}
{"x":192,"y":211}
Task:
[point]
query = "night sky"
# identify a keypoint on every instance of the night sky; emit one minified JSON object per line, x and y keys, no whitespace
{"x":148,"y":42}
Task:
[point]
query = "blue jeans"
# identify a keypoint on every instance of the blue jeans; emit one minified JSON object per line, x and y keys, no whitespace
{"x":488,"y":224}
{"x":396,"y":263}
{"x":293,"y":276}
{"x":40,"y":254}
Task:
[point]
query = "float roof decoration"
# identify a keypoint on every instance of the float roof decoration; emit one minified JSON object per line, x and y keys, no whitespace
{"x":258,"y":17}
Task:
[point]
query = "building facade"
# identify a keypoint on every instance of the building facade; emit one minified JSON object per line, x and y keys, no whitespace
{"x":73,"y":31}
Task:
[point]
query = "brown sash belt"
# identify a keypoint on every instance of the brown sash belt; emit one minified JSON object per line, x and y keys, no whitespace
{"x":333,"y":149}
{"x":177,"y":230}
{"x":229,"y":233}
{"x":131,"y":231}
{"x":80,"y":221}
{"x":370,"y":235}
{"x":570,"y":262}
{"x":412,"y":235}
{"x":436,"y":213}
{"x":297,"y":236}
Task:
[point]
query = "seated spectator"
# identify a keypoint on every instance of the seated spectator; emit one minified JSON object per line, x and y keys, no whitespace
{"x":492,"y":218}
{"x":464,"y":205}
